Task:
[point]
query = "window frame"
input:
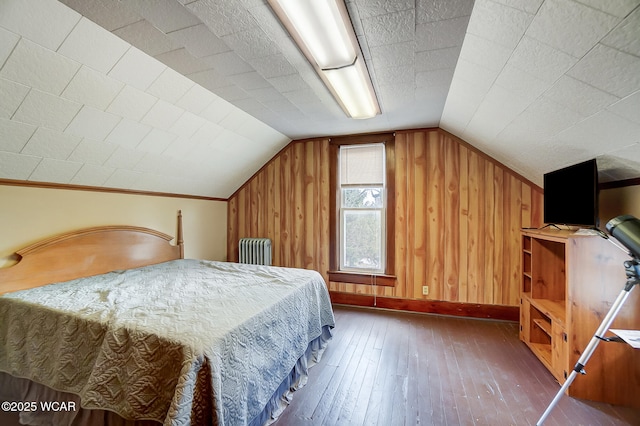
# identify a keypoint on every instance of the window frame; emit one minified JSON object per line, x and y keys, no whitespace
{"x":335,"y":274}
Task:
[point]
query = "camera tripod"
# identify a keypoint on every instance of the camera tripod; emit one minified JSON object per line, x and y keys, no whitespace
{"x":632,"y":268}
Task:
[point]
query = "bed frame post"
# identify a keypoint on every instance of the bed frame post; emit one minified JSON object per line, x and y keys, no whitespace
{"x":180,"y":238}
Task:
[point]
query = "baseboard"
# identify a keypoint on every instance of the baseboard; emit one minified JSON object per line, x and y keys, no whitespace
{"x":472,"y":310}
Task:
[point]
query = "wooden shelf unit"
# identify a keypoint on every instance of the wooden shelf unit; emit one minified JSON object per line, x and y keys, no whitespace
{"x":568,"y":284}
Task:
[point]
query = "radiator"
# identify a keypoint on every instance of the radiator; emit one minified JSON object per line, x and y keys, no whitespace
{"x":256,"y":251}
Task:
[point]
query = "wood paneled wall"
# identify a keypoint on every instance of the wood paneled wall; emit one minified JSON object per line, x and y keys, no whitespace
{"x":458,"y":218}
{"x":287,"y":201}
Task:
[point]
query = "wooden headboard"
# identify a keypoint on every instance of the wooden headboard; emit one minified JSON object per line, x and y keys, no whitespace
{"x":88,"y":252}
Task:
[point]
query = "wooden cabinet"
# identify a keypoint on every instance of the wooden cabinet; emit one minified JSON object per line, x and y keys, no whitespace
{"x":569,"y":282}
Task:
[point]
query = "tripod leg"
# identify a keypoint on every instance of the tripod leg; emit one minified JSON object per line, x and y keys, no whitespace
{"x":556,"y":398}
{"x":591,"y":347}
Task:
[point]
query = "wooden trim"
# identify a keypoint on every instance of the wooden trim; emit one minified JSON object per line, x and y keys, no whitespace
{"x":384,"y":280}
{"x":58,"y":239}
{"x":334,"y":209}
{"x":422,"y":129}
{"x":50,"y":185}
{"x":180,"y":236}
{"x":619,"y":183}
{"x":472,"y":310}
{"x":390,"y":156}
{"x":334,"y":146}
{"x":362,"y":138}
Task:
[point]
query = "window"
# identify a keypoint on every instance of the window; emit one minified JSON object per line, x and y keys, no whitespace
{"x":362,"y":208}
{"x":362,"y":240}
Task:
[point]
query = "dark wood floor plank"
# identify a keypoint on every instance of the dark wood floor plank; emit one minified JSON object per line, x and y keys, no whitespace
{"x":359,"y":391}
{"x":333,"y":390}
{"x":393,"y":368}
{"x":354,"y":375}
{"x":480,"y":370}
{"x":431,"y":380}
{"x":469,"y":365}
{"x":472,"y":368}
{"x":459,"y":412}
{"x":319,"y":379}
{"x":415,"y":400}
{"x":381,"y":392}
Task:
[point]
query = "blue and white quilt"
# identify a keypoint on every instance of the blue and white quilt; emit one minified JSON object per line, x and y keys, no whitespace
{"x":182,"y":342}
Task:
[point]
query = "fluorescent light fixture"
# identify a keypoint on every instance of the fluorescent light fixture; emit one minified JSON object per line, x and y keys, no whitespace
{"x":323,"y":32}
{"x":323,"y":29}
{"x":351,"y":85}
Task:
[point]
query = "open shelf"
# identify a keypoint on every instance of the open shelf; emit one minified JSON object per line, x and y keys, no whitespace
{"x":543,"y":325}
{"x":526,"y":283}
{"x":548,"y":266}
{"x":526,"y":264}
{"x":544,"y":301}
{"x":543,"y":352}
{"x":555,"y":309}
{"x":565,"y":291}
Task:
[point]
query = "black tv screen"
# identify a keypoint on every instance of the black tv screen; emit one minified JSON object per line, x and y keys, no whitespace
{"x":571,"y":195}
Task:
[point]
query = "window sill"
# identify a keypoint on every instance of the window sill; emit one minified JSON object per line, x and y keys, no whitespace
{"x":359,"y":278}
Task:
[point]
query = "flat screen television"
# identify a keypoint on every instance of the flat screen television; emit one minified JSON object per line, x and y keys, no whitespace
{"x":571,"y":195}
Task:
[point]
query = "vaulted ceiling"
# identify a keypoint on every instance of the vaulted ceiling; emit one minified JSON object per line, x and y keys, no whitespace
{"x":192,"y":97}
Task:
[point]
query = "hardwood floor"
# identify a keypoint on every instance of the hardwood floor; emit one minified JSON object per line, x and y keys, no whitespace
{"x":391,"y":368}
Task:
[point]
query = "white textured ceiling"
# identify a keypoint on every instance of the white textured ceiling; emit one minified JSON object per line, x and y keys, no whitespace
{"x":192,"y":97}
{"x":544,"y":84}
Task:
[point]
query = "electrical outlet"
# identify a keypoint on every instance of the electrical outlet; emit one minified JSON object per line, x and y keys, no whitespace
{"x":425,"y":290}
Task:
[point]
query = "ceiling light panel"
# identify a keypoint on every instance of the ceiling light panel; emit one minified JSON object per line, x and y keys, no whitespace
{"x":324,"y":29}
{"x":355,"y":94}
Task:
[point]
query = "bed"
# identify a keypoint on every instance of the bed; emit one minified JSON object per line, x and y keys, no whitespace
{"x":115,"y":320}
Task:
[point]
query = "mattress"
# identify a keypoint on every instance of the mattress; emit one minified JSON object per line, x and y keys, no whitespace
{"x":182,"y":342}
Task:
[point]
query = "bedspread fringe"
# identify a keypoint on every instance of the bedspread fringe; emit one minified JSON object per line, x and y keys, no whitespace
{"x":296,"y":379}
